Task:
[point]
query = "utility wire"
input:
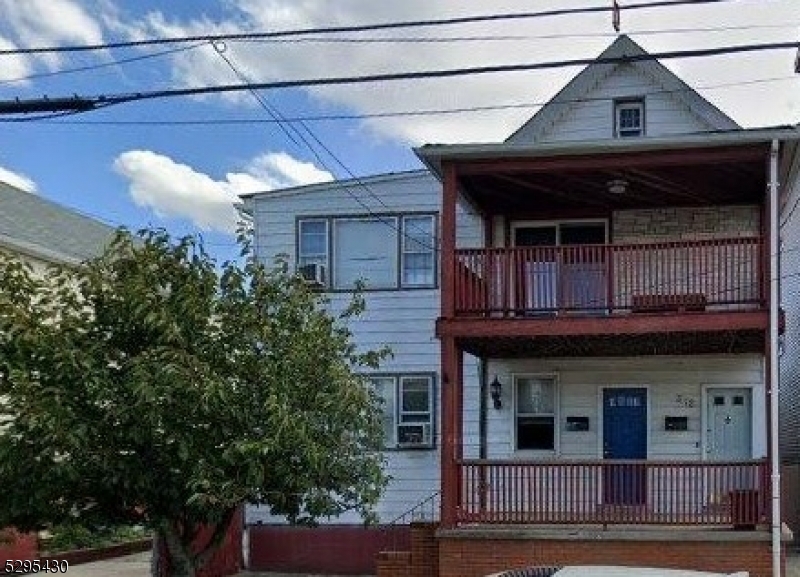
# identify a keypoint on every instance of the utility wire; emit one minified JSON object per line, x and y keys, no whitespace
{"x":393,"y":223}
{"x":85,"y":104}
{"x":508,"y":37}
{"x":396,"y":113}
{"x":358,"y":28}
{"x":92,"y":67}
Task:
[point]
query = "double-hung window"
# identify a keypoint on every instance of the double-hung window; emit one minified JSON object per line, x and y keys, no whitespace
{"x":418,"y":257}
{"x":383,"y":251}
{"x":629,"y":118}
{"x":535,"y":419}
{"x":407,"y":409}
{"x":312,"y":242}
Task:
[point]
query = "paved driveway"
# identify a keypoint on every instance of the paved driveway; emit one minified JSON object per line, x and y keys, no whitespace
{"x":139,"y":566}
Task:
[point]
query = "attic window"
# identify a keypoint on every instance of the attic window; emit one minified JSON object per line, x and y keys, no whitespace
{"x":628,"y":118}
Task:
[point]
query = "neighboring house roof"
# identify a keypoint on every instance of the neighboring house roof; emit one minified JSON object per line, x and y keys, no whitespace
{"x":38,"y":227}
{"x":348,"y":182}
{"x":580,"y":86}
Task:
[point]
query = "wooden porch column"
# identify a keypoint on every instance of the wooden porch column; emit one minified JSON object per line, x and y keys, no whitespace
{"x":452,"y":429}
{"x":451,"y":358}
{"x":448,"y":245}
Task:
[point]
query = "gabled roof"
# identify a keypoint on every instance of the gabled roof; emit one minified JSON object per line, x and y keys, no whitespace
{"x":38,"y":227}
{"x":580,"y":86}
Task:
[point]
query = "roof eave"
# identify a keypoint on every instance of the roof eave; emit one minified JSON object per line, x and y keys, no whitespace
{"x":433,"y":155}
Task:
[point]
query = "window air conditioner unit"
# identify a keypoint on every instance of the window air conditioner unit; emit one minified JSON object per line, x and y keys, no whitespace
{"x":414,"y":435}
{"x":313,"y":274}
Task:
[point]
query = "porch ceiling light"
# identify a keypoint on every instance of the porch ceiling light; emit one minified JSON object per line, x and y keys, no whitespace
{"x":496,"y":391}
{"x":617,"y":186}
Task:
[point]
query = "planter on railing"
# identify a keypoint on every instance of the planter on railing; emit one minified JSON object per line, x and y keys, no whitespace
{"x":615,"y":492}
{"x":602,"y":279}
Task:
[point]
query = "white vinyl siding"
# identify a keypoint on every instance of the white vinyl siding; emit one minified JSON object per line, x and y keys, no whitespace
{"x":402,"y":319}
{"x":592,"y":117}
{"x":675,"y":386}
{"x":365,"y":250}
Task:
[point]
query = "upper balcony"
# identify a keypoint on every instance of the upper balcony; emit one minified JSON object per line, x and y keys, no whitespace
{"x":610,"y":279}
{"x":564,"y":262}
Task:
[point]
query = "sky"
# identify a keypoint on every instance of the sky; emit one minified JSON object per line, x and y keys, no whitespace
{"x":181,"y":163}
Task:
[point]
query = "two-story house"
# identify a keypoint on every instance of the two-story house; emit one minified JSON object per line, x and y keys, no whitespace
{"x":585,"y":325}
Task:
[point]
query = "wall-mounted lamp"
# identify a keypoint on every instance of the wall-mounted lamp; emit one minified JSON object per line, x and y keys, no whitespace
{"x":617,"y":186}
{"x":496,"y":391}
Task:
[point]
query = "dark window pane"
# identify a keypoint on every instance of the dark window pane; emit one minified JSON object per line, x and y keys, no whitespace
{"x":535,"y":236}
{"x":738,"y":400}
{"x":719,"y":401}
{"x":535,"y":433}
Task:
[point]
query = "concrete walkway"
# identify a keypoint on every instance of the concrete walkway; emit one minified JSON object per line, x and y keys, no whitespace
{"x":139,"y":566}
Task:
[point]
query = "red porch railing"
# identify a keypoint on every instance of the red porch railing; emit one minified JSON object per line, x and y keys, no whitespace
{"x":686,"y":275}
{"x":615,"y":492}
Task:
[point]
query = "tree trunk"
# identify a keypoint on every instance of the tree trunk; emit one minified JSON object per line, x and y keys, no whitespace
{"x":157,"y":549}
{"x":180,"y":560}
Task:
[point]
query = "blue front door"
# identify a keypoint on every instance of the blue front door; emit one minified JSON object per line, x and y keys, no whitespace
{"x":624,"y":438}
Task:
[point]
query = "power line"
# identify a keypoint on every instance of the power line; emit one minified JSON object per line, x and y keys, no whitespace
{"x":507,"y":37}
{"x":357,"y":28}
{"x":92,"y":67}
{"x":276,"y":116}
{"x":84,"y":104}
{"x":393,"y":113}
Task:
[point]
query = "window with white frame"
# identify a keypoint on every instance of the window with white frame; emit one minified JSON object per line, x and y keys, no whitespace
{"x":418,"y":266}
{"x":629,"y":118}
{"x":383,"y":251}
{"x":535,"y":419}
{"x":312,"y":243}
{"x":407,"y":409}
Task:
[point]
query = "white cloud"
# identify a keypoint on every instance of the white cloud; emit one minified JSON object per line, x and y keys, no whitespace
{"x":14,"y":65}
{"x":265,"y":61}
{"x":17,"y":180}
{"x":172,"y":189}
{"x":49,"y":23}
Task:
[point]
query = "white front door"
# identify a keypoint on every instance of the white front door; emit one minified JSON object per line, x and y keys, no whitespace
{"x":729,"y":424}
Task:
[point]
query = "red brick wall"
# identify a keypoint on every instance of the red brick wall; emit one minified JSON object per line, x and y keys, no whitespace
{"x":479,"y":557}
{"x":15,"y":545}
{"x":394,"y":564}
{"x":424,"y":550}
{"x":329,"y":549}
{"x":227,"y":560}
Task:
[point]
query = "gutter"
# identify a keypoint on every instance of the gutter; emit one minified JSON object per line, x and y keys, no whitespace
{"x":774,"y":377}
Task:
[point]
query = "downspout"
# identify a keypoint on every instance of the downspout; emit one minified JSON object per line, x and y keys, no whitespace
{"x":483,"y":423}
{"x":774,"y":377}
{"x":483,"y":371}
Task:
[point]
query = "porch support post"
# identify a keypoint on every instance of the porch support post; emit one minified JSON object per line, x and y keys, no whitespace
{"x":451,"y":357}
{"x":448,"y":245}
{"x":452,"y":429}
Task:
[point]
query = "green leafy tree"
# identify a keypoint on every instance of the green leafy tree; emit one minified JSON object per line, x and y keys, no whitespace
{"x":152,"y":386}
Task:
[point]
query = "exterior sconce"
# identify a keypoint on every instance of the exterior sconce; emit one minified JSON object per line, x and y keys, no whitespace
{"x":617,"y":186}
{"x":496,"y":391}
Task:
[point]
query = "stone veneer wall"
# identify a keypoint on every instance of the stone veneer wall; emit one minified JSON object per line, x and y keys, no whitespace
{"x":685,"y":223}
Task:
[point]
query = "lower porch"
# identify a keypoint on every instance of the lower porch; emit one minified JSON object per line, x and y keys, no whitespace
{"x":615,"y":492}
